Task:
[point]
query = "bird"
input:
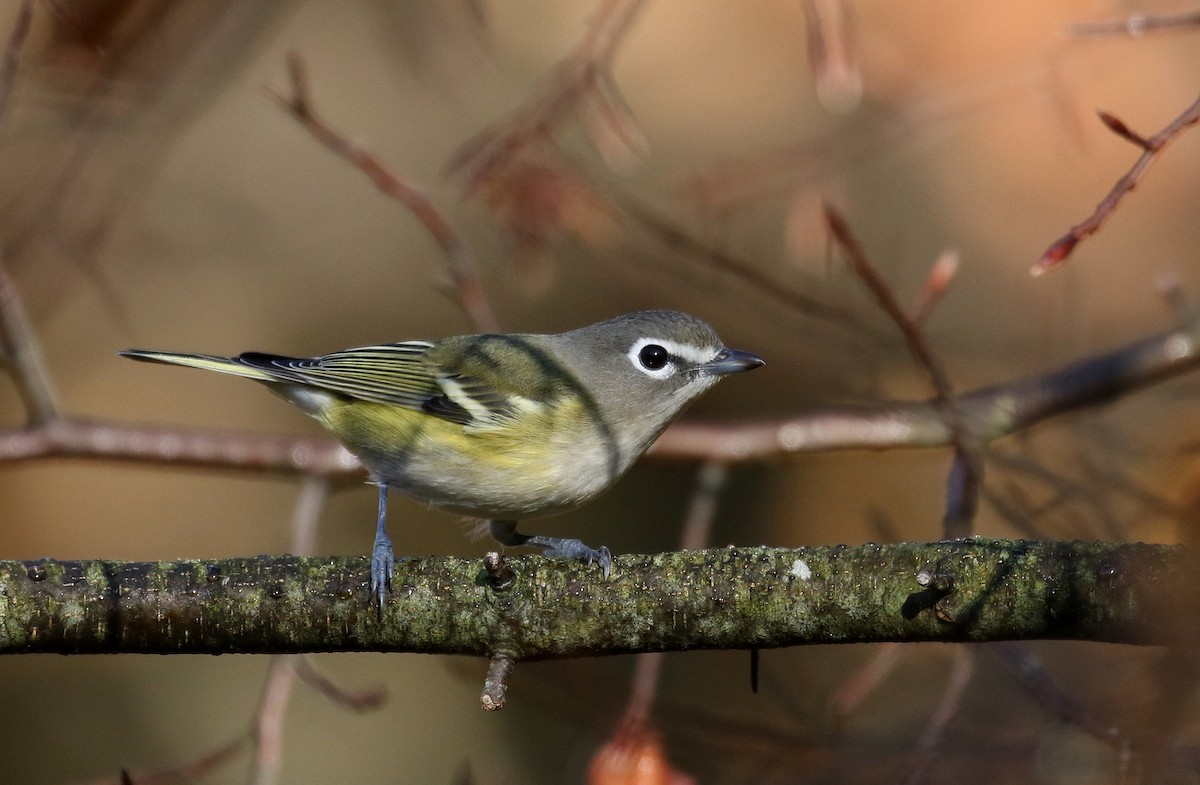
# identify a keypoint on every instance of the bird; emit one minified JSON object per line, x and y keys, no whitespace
{"x":501,"y":426}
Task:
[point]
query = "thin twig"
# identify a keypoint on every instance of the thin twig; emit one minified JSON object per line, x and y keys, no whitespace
{"x":307,"y":514}
{"x":1136,"y":25}
{"x":12,"y":53}
{"x":832,"y":51}
{"x":962,"y":668}
{"x":966,"y":472}
{"x":634,"y":745}
{"x":268,"y":727}
{"x":116,"y":441}
{"x":495,"y":685}
{"x":676,"y":239}
{"x":361,"y":701}
{"x":189,"y":771}
{"x":991,"y":412}
{"x":937,"y":283}
{"x":462,"y":266}
{"x":22,"y":356}
{"x":1029,"y":672}
{"x":305,"y":518}
{"x":913,"y":337}
{"x":577,"y":76}
{"x":866,"y":679}
{"x":711,"y":479}
{"x":1152,"y":147}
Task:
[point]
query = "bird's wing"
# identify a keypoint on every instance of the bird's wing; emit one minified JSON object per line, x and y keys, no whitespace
{"x":393,"y":373}
{"x":400,"y":374}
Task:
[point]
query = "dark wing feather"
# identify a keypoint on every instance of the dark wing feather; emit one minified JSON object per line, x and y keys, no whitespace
{"x":394,"y":373}
{"x":476,"y":381}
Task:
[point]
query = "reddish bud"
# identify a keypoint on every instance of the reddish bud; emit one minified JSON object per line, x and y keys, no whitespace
{"x":1055,"y":255}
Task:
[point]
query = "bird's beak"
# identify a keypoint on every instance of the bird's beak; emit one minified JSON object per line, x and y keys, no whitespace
{"x":732,"y":361}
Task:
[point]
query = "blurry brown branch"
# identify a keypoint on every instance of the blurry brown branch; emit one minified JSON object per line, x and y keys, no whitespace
{"x":864,"y":682}
{"x":1054,"y":699}
{"x":634,"y":742}
{"x":268,"y":724}
{"x":962,"y":669}
{"x":812,"y":164}
{"x":832,"y":51}
{"x":361,"y":701}
{"x":1136,"y":25}
{"x":187,"y":771}
{"x":265,"y":732}
{"x":462,"y":266}
{"x":937,"y":283}
{"x":1151,"y":147}
{"x":678,"y":240}
{"x":12,"y":52}
{"x":989,"y":412}
{"x":966,"y":472}
{"x":22,"y":357}
{"x":80,"y":438}
{"x":19,"y":351}
{"x":909,"y":328}
{"x":966,"y":590}
{"x":583,"y":74}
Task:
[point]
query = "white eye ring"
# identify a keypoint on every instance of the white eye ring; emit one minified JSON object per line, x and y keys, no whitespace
{"x":647,"y":352}
{"x":675,"y":354}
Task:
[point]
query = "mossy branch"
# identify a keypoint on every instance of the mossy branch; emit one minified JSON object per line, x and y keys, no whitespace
{"x":529,"y":607}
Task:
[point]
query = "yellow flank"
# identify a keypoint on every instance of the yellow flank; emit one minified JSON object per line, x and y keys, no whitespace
{"x":557,"y":457}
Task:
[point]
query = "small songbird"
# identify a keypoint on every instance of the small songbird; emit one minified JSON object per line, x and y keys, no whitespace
{"x":502,"y":427}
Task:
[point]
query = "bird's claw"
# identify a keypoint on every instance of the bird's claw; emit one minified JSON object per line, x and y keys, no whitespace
{"x":578,"y":551}
{"x":382,"y":564}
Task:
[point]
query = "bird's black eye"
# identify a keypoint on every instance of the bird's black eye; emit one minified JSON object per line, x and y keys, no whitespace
{"x":652,"y":357}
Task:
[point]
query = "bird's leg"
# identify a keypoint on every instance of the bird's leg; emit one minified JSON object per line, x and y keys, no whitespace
{"x":382,"y":559}
{"x":505,"y":532}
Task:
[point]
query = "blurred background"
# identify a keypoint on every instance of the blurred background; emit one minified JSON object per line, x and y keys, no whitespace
{"x":152,"y":194}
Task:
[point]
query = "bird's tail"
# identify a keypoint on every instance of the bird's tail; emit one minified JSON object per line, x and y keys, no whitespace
{"x":207,"y":362}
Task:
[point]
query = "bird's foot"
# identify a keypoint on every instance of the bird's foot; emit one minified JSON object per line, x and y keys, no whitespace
{"x":383,"y":561}
{"x":577,"y":550}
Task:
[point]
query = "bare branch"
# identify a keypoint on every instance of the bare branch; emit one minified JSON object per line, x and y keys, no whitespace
{"x":1056,"y":701}
{"x":1152,"y":147}
{"x":913,"y":337}
{"x":937,"y":283}
{"x":680,"y":241}
{"x":990,"y":413}
{"x":965,"y":590}
{"x":866,"y":679}
{"x":307,"y":514}
{"x":495,"y":686}
{"x":463,"y":268}
{"x":78,"y":438}
{"x":196,"y":768}
{"x":268,"y":727}
{"x":1136,"y":25}
{"x":832,"y":51}
{"x":962,"y":668}
{"x":12,"y":53}
{"x":711,"y":479}
{"x":22,"y":356}
{"x":359,"y":701}
{"x":966,"y":473}
{"x":579,"y":75}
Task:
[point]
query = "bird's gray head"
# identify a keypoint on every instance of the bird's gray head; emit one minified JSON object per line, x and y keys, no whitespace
{"x":644,"y":368}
